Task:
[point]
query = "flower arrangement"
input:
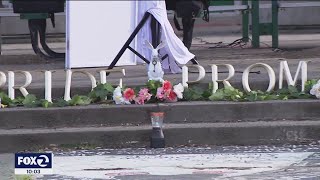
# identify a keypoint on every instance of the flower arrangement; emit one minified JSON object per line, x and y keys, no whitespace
{"x":163,"y":91}
{"x":156,"y":91}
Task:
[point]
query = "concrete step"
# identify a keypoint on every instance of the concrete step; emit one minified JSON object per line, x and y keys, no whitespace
{"x":175,"y":113}
{"x":186,"y":124}
{"x":191,"y":134}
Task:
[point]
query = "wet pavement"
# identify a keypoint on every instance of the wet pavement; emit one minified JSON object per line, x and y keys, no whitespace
{"x":232,"y":162}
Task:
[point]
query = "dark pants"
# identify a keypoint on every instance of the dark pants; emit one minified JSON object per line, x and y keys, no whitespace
{"x":188,"y":24}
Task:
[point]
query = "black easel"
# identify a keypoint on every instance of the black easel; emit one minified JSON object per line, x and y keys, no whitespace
{"x":156,"y":34}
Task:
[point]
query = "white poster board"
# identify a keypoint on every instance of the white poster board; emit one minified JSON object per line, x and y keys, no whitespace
{"x":96,"y":31}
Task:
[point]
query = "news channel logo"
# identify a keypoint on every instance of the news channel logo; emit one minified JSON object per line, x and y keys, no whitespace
{"x":33,"y":163}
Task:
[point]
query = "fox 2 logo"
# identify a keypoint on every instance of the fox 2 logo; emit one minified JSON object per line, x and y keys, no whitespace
{"x":33,"y":160}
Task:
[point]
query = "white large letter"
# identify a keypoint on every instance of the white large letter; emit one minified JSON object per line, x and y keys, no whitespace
{"x":215,"y":78}
{"x":185,"y":74}
{"x":284,"y":69}
{"x":11,"y":86}
{"x":3,"y":79}
{"x":272,"y":76}
{"x":103,"y":75}
{"x":69,"y":73}
{"x":48,"y":86}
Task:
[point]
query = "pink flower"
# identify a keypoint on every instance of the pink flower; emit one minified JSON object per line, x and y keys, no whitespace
{"x":172,"y":96}
{"x":166,"y":85}
{"x":129,"y":94}
{"x":144,"y":94}
{"x":160,"y":93}
{"x":139,"y":101}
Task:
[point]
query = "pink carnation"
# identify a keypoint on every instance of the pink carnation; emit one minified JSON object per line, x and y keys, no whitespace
{"x":139,"y":100}
{"x":160,"y":93}
{"x":144,"y":94}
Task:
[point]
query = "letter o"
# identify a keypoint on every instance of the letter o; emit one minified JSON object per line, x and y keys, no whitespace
{"x":26,"y":160}
{"x":271,"y":73}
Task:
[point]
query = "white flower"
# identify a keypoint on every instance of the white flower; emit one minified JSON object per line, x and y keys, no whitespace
{"x":316,"y":90}
{"x":117,"y":97}
{"x":178,"y":89}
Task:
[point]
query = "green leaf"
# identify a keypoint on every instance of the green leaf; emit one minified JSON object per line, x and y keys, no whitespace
{"x":206,"y":94}
{"x":31,"y":101}
{"x":45,"y":103}
{"x":187,"y":94}
{"x":283,"y":91}
{"x":5,"y":99}
{"x":80,"y":100}
{"x":61,"y":103}
{"x":232,"y":94}
{"x":218,"y":96}
{"x":293,"y":90}
{"x":272,"y":97}
{"x":193,"y":94}
{"x":101,"y":92}
{"x":309,"y":84}
{"x":153,"y":86}
{"x":252,"y":96}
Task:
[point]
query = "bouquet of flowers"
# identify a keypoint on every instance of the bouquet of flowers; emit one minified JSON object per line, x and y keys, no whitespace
{"x":155,"y":91}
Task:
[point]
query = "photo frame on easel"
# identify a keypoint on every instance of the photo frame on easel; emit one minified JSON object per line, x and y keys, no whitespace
{"x":97,"y":30}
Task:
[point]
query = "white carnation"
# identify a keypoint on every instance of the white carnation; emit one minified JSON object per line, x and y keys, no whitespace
{"x":178,"y":89}
{"x":316,"y":90}
{"x":118,"y":98}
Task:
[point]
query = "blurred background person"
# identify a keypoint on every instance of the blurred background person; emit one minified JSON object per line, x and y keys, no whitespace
{"x":188,"y":10}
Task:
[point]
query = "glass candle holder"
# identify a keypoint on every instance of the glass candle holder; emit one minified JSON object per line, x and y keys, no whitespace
{"x":157,"y":119}
{"x":157,"y":137}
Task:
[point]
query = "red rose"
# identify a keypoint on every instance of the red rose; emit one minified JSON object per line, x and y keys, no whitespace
{"x":129,"y":94}
{"x":166,"y":85}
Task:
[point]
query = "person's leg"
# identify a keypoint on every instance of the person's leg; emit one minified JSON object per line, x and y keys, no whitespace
{"x":188,"y":24}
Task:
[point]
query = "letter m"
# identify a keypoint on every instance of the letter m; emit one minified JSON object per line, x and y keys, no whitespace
{"x":284,"y":70}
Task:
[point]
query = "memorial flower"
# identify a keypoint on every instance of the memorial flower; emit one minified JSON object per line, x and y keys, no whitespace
{"x":179,"y":89}
{"x":143,"y":96}
{"x":316,"y":90}
{"x":166,"y":85}
{"x":129,"y":94}
{"x":168,"y":93}
{"x":172,"y":97}
{"x":160,"y":93}
{"x":3,"y":106}
{"x":118,"y":98}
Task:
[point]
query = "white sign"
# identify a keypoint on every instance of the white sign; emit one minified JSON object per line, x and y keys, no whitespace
{"x":284,"y":74}
{"x":96,"y":31}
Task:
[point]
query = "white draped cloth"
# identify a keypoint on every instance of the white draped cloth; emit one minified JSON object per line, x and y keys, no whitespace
{"x":175,"y":48}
